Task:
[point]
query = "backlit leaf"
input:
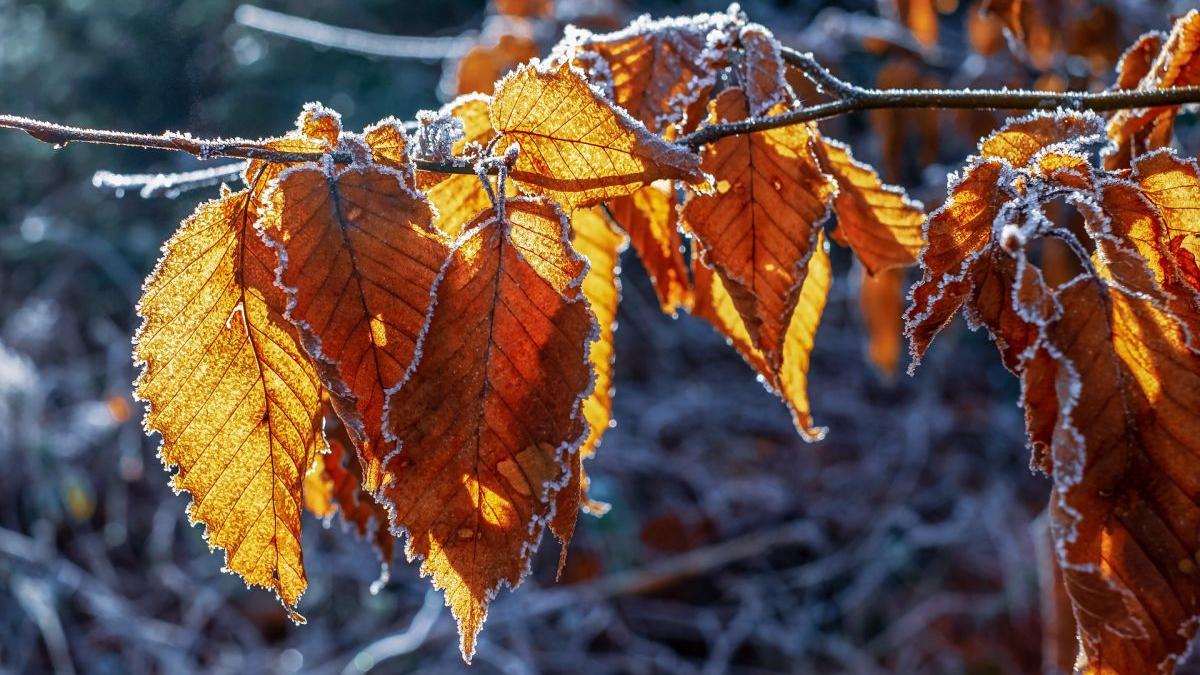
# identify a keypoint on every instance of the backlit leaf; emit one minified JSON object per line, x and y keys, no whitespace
{"x":490,"y":420}
{"x":881,"y":301}
{"x":758,"y":228}
{"x":231,"y":392}
{"x":1177,"y":64}
{"x":651,"y":219}
{"x":601,"y":245}
{"x":575,"y":145}
{"x":659,"y":71}
{"x":879,"y":222}
{"x":790,"y":379}
{"x":359,"y":256}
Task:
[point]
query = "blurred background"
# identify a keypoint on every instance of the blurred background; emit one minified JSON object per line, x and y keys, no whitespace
{"x":907,"y":541}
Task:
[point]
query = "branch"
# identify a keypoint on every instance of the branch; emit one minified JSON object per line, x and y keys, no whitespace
{"x":349,"y":39}
{"x":60,"y":135}
{"x":171,"y":184}
{"x":852,"y":98}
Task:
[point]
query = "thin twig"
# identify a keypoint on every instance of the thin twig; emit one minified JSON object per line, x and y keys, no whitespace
{"x":171,"y":184}
{"x":349,"y":39}
{"x":60,"y":135}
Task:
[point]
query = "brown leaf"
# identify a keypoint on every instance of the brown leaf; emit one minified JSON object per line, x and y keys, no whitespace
{"x":879,"y":222}
{"x":1177,"y":64}
{"x":659,"y":71}
{"x":231,"y":392}
{"x":757,"y":230}
{"x":359,"y":256}
{"x":1125,"y":508}
{"x":490,"y":420}
{"x":484,"y":64}
{"x":575,"y":146}
{"x":790,"y":380}
{"x":651,"y":219}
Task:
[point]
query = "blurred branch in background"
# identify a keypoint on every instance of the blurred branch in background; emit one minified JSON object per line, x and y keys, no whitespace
{"x":351,"y":40}
{"x":169,"y":185}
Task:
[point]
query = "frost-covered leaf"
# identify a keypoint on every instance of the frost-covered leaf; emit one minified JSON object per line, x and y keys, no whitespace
{"x":651,"y":219}
{"x":490,"y":420}
{"x":574,"y":144}
{"x":358,"y":258}
{"x":1007,"y":185}
{"x":660,"y":71}
{"x":879,"y":222}
{"x":758,"y":228}
{"x":1177,"y":64}
{"x":231,"y":392}
{"x":790,"y":379}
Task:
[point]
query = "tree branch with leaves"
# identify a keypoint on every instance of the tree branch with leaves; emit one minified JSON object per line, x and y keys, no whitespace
{"x":413,"y":324}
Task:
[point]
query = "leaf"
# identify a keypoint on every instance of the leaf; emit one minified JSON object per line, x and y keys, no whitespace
{"x":921,"y":18}
{"x":575,"y":145}
{"x":650,"y":218}
{"x":879,"y":222}
{"x":334,"y":485}
{"x":1172,"y":185}
{"x":1125,"y":512}
{"x":881,"y":301}
{"x":490,"y":421}
{"x":763,"y":72}
{"x":1177,"y":64}
{"x":318,"y":130}
{"x":757,"y":229}
{"x":358,"y":257}
{"x":486,"y":62}
{"x":661,"y":72}
{"x":231,"y":392}
{"x":601,"y":245}
{"x":1020,"y":164}
{"x":790,"y":380}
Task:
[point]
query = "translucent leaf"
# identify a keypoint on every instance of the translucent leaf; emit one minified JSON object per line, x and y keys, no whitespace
{"x":651,"y":219}
{"x":231,"y":392}
{"x":758,"y":228}
{"x":490,"y":421}
{"x":575,"y":145}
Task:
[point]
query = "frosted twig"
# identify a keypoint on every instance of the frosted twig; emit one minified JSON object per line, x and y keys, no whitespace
{"x":169,"y":184}
{"x":349,"y":39}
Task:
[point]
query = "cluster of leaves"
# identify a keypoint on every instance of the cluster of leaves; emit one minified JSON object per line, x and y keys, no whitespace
{"x":454,"y":327}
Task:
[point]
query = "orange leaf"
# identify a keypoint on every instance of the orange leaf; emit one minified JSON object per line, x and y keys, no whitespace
{"x":757,"y":230}
{"x":881,"y":301}
{"x":962,"y":242}
{"x":1177,"y":64}
{"x":490,"y":420}
{"x":459,"y":198}
{"x":359,"y":257}
{"x":601,"y":245}
{"x":650,"y":218}
{"x":790,"y":380}
{"x":575,"y":145}
{"x":659,"y":71}
{"x":231,"y":392}
{"x":1124,"y":441}
{"x":485,"y":63}
{"x":879,"y":222}
{"x":921,"y":18}
{"x":764,"y":75}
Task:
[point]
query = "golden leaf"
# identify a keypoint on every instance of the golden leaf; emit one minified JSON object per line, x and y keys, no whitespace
{"x":650,"y":218}
{"x":490,"y":419}
{"x":601,"y":245}
{"x":575,"y":146}
{"x":757,"y":229}
{"x":790,"y":380}
{"x":879,"y":222}
{"x":1177,"y":64}
{"x":231,"y":392}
